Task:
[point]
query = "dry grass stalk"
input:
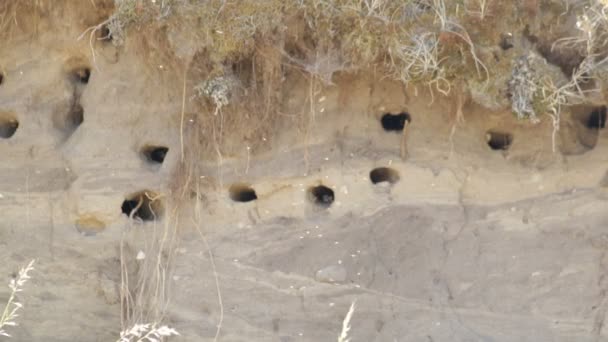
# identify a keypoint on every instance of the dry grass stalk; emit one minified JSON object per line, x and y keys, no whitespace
{"x":146,"y":333}
{"x":346,"y":324}
{"x":404,"y":135}
{"x":12,"y":307}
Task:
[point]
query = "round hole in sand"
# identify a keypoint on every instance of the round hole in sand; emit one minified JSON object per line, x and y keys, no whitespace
{"x":506,"y":41}
{"x":242,"y":193}
{"x":145,"y":205}
{"x":597,"y":118}
{"x":8,"y":125}
{"x":77,"y":71}
{"x":155,"y":154}
{"x":395,"y":122}
{"x":384,"y":174}
{"x":499,"y":140}
{"x":105,"y":34}
{"x":82,"y":74}
{"x":321,"y":195}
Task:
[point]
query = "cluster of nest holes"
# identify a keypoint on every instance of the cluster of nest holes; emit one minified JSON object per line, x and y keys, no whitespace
{"x":499,"y":141}
{"x":145,"y":205}
{"x":320,"y":195}
{"x":8,"y":125}
{"x":384,"y":175}
{"x":153,"y":154}
{"x":395,"y":122}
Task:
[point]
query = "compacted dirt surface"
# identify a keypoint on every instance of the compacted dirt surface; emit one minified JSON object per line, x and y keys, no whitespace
{"x":445,"y":222}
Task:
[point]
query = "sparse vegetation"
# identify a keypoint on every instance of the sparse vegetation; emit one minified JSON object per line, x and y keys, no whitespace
{"x":346,"y":324}
{"x":418,"y":42}
{"x":146,"y":333}
{"x":524,"y":87}
{"x":217,"y":89}
{"x":12,"y":307}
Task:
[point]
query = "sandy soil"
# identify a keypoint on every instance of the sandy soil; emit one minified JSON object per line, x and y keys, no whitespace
{"x":470,"y":244}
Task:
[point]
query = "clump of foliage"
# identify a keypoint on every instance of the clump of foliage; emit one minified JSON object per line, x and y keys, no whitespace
{"x":409,"y":39}
{"x":524,"y":87}
{"x":217,"y":89}
{"x":132,"y":12}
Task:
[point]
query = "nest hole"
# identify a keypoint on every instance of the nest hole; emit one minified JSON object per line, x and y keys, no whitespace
{"x":597,"y":118}
{"x":322,"y":196}
{"x":77,"y":71}
{"x":506,"y":41}
{"x":8,"y":125}
{"x":499,"y":140}
{"x":105,"y":34}
{"x":242,"y":193}
{"x":395,"y":122}
{"x":155,"y":154}
{"x":384,"y":174}
{"x":1,"y":78}
{"x":81,"y":75}
{"x":589,"y":120}
{"x":145,"y":205}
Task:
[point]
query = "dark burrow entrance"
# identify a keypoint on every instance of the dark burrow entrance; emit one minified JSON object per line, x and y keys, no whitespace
{"x":395,"y":122}
{"x":597,"y":118}
{"x":78,"y":74}
{"x":321,"y":196}
{"x":77,"y":71}
{"x":105,"y":34}
{"x":499,"y":140}
{"x":242,"y":193}
{"x":590,"y":119}
{"x":8,"y":125}
{"x":145,"y":205}
{"x":506,"y":41}
{"x":384,"y":174}
{"x":154,"y":154}
{"x":81,"y":75}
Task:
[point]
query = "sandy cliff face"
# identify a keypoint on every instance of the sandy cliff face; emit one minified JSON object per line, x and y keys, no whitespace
{"x":444,"y":217}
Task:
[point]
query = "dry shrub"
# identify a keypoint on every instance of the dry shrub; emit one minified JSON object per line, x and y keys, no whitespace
{"x":17,"y":17}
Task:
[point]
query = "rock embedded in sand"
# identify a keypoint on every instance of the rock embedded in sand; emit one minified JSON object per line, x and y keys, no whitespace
{"x":331,"y":274}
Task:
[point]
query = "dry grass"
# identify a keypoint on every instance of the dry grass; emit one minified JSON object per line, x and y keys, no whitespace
{"x":18,"y":18}
{"x":12,"y":307}
{"x":534,"y":95}
{"x":146,"y":333}
{"x":146,"y":268}
{"x":346,"y":324}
